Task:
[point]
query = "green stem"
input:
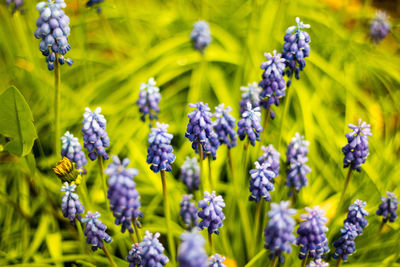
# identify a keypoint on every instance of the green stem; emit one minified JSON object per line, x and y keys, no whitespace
{"x":103,"y":181}
{"x":304,"y":262}
{"x":346,"y":184}
{"x":210,"y":173}
{"x":256,"y":258}
{"x":109,"y":256}
{"x":137,"y":230}
{"x":381,"y":227}
{"x":200,"y":149}
{"x":339,"y":260}
{"x":57,"y":147}
{"x":274,"y":261}
{"x":133,"y":237}
{"x":246,"y":158}
{"x":168,"y":218}
{"x":257,"y":221}
{"x":81,"y":235}
{"x":210,"y":243}
{"x":230,"y":162}
{"x":266,"y":120}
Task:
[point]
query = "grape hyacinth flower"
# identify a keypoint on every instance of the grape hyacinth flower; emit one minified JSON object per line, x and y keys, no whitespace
{"x":188,"y":212}
{"x":295,"y":49}
{"x":71,"y":205}
{"x":53,"y":29}
{"x":272,"y":83}
{"x":190,"y":174}
{"x":297,"y":173}
{"x":72,"y":149}
{"x":211,"y":213}
{"x":216,"y":261}
{"x":95,"y":137}
{"x":200,"y":130}
{"x":272,"y":156}
{"x":151,"y":251}
{"x":160,"y":152}
{"x":345,"y":245}
{"x":318,"y":263}
{"x":149,"y":100}
{"x":249,"y":125}
{"x":122,"y":193}
{"x":251,"y":94}
{"x":379,"y":27}
{"x":279,"y":231}
{"x":298,"y":146}
{"x":134,"y":258}
{"x":91,"y":3}
{"x":312,"y":239}
{"x":224,"y":126}
{"x":17,"y":5}
{"x":201,"y":35}
{"x":356,"y":151}
{"x":95,"y":231}
{"x":357,"y":214}
{"x":387,"y":209}
{"x":191,"y":251}
{"x":261,"y":182}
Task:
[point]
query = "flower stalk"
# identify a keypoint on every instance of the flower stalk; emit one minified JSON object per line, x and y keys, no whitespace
{"x":168,"y":217}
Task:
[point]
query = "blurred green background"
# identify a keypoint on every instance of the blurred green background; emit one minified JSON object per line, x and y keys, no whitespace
{"x":346,"y":78}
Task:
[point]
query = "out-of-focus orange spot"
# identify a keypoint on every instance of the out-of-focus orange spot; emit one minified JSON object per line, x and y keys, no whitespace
{"x":351,"y":6}
{"x":23,"y":64}
{"x":230,"y":263}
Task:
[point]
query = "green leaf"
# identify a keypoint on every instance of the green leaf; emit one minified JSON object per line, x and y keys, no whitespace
{"x":16,"y":122}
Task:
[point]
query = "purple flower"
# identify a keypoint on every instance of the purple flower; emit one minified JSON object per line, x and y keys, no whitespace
{"x":312,"y":238}
{"x":53,"y":29}
{"x":91,"y":3}
{"x":95,"y":231}
{"x":191,"y":251}
{"x":357,"y":214}
{"x":249,"y":125}
{"x":345,"y":245}
{"x":151,"y":251}
{"x":251,"y":94}
{"x":201,"y":35}
{"x":279,"y":231}
{"x":211,"y":213}
{"x":149,"y":100}
{"x":95,"y":138}
{"x":297,"y":173}
{"x":272,"y":156}
{"x":318,"y":263}
{"x":356,"y":151}
{"x":200,"y":130}
{"x":70,"y":205}
{"x":261,"y":182}
{"x":387,"y":209}
{"x":272,"y":84}
{"x":188,"y":212}
{"x":134,"y":258}
{"x":17,"y":5}
{"x":216,"y":261}
{"x":72,"y":149}
{"x":160,"y":152}
{"x":297,"y":146}
{"x":190,"y":174}
{"x":379,"y":27}
{"x":122,"y":193}
{"x":224,"y":126}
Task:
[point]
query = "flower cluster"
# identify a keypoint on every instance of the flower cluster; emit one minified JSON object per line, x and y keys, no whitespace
{"x":387,"y":209}
{"x":160,"y":152}
{"x":91,"y":3}
{"x":345,"y":245}
{"x":70,"y":205}
{"x":17,"y":4}
{"x":261,"y":182}
{"x":249,"y":125}
{"x":318,"y":263}
{"x":312,"y":238}
{"x":356,"y":151}
{"x":134,"y":258}
{"x":357,"y":214}
{"x":151,"y":251}
{"x":72,"y":149}
{"x":295,"y":49}
{"x":251,"y":94}
{"x":201,"y":35}
{"x":216,"y":261}
{"x":272,"y":83}
{"x":298,"y":146}
{"x":379,"y":27}
{"x":211,"y":213}
{"x":200,"y":130}
{"x":122,"y":193}
{"x":149,"y":100}
{"x":95,"y":231}
{"x":279,"y":231}
{"x":53,"y":29}
{"x":272,"y":156}
{"x":190,"y":174}
{"x":191,"y":251}
{"x":188,"y":212}
{"x":95,"y":137}
{"x":224,"y":126}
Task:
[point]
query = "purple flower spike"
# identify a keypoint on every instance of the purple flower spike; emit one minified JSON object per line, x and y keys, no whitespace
{"x":249,"y":125}
{"x":95,"y":138}
{"x":345,"y":245}
{"x":224,"y":126}
{"x":92,"y":3}
{"x":379,"y":27}
{"x":261,"y":182}
{"x":250,"y":94}
{"x":356,"y":151}
{"x":71,"y":205}
{"x":160,"y":152}
{"x":122,"y":193}
{"x":312,"y":238}
{"x":72,"y":149}
{"x":190,"y":174}
{"x":134,"y":258}
{"x":387,"y":209}
{"x":211,"y":213}
{"x":188,"y":212}
{"x":200,"y":130}
{"x":318,"y":263}
{"x":216,"y":261}
{"x":279,"y":231}
{"x":191,"y":251}
{"x":17,"y":5}
{"x":272,"y":156}
{"x":149,"y":100}
{"x":151,"y":251}
{"x":357,"y":214}
{"x":297,"y":146}
{"x":95,"y":231}
{"x":201,"y":35}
